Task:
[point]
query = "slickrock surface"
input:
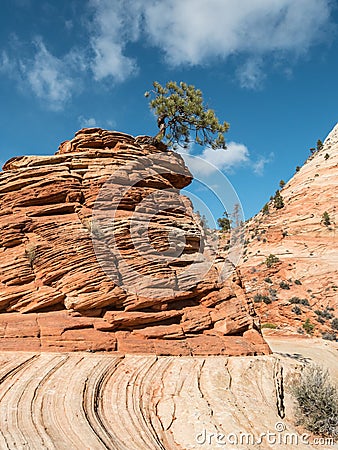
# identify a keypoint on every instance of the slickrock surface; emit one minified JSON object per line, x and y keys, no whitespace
{"x":307,"y":248}
{"x":80,"y":235}
{"x":94,"y":401}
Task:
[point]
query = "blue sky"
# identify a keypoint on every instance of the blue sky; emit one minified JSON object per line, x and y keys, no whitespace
{"x":268,"y":67}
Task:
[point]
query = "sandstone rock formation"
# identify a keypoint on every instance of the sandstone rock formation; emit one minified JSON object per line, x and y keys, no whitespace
{"x":93,"y":401}
{"x":306,"y":246}
{"x":99,"y":251}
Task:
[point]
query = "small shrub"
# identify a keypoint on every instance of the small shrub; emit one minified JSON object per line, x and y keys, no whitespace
{"x":326,"y":156}
{"x":329,"y":336}
{"x":224,"y":222}
{"x":268,"y":280}
{"x":258,"y":298}
{"x":297,"y":168}
{"x":320,"y":320}
{"x":284,"y":285}
{"x":269,"y":325}
{"x":317,"y":401}
{"x":278,"y":201}
{"x":334,"y":324}
{"x":326,"y":219}
{"x":298,"y":282}
{"x":297,"y":310}
{"x":281,"y":184}
{"x":273,"y":294}
{"x":299,"y":301}
{"x":265,"y":209}
{"x":325,"y":314}
{"x":320,"y":145}
{"x":308,"y":326}
{"x":271,"y":260}
{"x":30,"y":253}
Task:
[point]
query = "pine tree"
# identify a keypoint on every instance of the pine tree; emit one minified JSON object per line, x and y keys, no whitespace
{"x":182,"y":116}
{"x":320,"y":145}
{"x":224,"y":222}
{"x":278,"y":200}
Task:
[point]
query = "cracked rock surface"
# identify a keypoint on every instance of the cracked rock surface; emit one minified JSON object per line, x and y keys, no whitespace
{"x":105,"y":401}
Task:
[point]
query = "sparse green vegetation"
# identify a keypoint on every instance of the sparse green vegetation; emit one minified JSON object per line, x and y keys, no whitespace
{"x":326,"y":156}
{"x":273,"y":294}
{"x":329,"y":336}
{"x":297,"y":168}
{"x":281,"y":184}
{"x":334,"y":324}
{"x":308,"y":326}
{"x":269,"y":325}
{"x":298,"y":282}
{"x":299,"y":301}
{"x":320,"y":145}
{"x":284,"y":285}
{"x":258,"y":298}
{"x":296,"y":309}
{"x":268,"y":280}
{"x":325,"y":314}
{"x":265,"y":208}
{"x":271,"y":260}
{"x":317,"y":401}
{"x":326,"y":219}
{"x":278,"y":201}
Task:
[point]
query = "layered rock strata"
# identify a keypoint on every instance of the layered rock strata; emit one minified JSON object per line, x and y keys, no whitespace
{"x":100,"y":251}
{"x":302,"y":282}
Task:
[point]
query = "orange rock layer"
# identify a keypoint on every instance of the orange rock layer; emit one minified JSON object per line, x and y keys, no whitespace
{"x":62,"y":287}
{"x":306,"y":248}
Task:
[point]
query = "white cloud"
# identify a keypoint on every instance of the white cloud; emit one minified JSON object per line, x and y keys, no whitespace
{"x":193,"y":31}
{"x":69,"y":25}
{"x":251,"y":74}
{"x":6,"y":65}
{"x":210,"y":160}
{"x":52,"y":80}
{"x":48,"y":78}
{"x":187,"y":32}
{"x":235,"y":156}
{"x":115,"y":24}
{"x":87,"y":122}
{"x":258,"y":166}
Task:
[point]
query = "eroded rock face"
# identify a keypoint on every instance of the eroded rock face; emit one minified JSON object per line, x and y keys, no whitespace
{"x":306,"y":246}
{"x":99,"y":251}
